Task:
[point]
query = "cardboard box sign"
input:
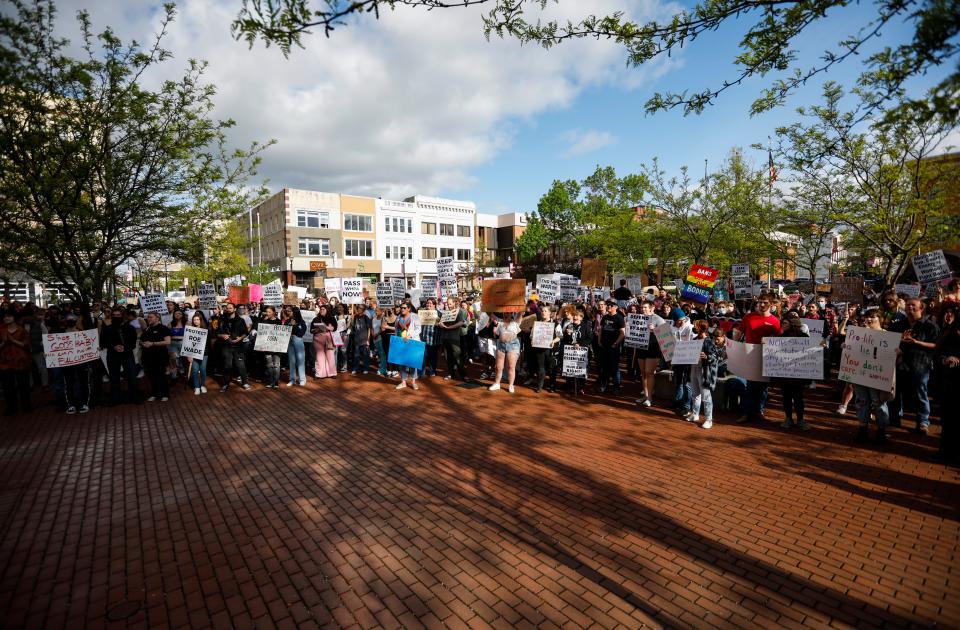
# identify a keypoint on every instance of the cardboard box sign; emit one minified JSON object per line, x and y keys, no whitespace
{"x":849,"y":289}
{"x":240,"y":295}
{"x":290,"y":298}
{"x":594,"y":272}
{"x":504,"y":296}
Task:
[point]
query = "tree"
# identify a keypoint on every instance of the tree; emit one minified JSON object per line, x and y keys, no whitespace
{"x":94,"y":168}
{"x":766,"y":47}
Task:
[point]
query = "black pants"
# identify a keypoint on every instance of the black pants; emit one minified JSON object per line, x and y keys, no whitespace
{"x":455,"y":366}
{"x":233,"y":355}
{"x":16,"y":390}
{"x":537,"y":364}
{"x":76,"y":380}
{"x":156,"y":370}
{"x":793,"y":399}
{"x":118,"y":362}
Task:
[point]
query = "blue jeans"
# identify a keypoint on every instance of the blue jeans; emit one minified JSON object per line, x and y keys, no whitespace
{"x":702,"y":397}
{"x":868,"y":401}
{"x":682,"y":393}
{"x":361,"y":358}
{"x":382,"y":370}
{"x":296,"y":355}
{"x":198,"y":372}
{"x":755,"y":398}
{"x":408,"y":372}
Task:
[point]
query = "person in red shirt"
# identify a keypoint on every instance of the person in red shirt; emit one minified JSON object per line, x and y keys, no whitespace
{"x":756,"y":325}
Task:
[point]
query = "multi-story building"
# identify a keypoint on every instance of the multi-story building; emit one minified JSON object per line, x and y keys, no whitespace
{"x":398,"y":238}
{"x":496,"y":237}
{"x":445,"y":230}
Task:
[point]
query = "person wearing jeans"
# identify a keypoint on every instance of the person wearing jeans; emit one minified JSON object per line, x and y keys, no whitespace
{"x":612,"y":330}
{"x":361,"y":332}
{"x":296,"y":353}
{"x":756,"y":325}
{"x":913,"y":373}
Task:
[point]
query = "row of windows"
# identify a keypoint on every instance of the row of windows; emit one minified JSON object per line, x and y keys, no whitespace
{"x":364,"y":223}
{"x":364,"y":249}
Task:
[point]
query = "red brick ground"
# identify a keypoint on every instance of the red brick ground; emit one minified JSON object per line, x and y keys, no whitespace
{"x":350,"y":504}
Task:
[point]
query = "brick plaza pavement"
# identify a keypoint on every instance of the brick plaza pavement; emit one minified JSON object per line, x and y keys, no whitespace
{"x":348,"y":503}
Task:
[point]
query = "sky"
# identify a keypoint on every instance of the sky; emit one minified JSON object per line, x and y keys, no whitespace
{"x":422,"y":103}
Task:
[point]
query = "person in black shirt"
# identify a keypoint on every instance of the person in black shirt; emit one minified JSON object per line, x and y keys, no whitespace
{"x":119,"y":338}
{"x":623,"y":294}
{"x":232,"y":332}
{"x":154,"y":342}
{"x":915,"y":366}
{"x":612,"y":330}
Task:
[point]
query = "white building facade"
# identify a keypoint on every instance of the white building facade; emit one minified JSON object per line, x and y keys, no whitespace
{"x":398,"y":242}
{"x":444,"y":227}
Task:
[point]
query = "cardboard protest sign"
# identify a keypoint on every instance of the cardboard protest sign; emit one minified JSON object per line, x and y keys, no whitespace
{"x":272,"y":337}
{"x":449,"y":316}
{"x":384,"y":294}
{"x":71,"y":348}
{"x":687,"y":352}
{"x":290,"y":298}
{"x":256,"y":292}
{"x":331,"y":287}
{"x":351,"y":290}
{"x":428,"y":317}
{"x":742,"y":288}
{"x":931,"y":267}
{"x":153,"y":303}
{"x":399,"y":287}
{"x":504,"y":296}
{"x":272,"y":295}
{"x":207,"y":297}
{"x":638,"y":331}
{"x":793,"y":357}
{"x":593,"y":272}
{"x":847,"y":289}
{"x":909,"y":290}
{"x":239,"y":295}
{"x":548,"y":289}
{"x":300,"y":291}
{"x":488,"y":346}
{"x":447,"y":276}
{"x":740,"y":271}
{"x":746,"y":360}
{"x":542,"y":335}
{"x":814,"y":326}
{"x":574,"y":361}
{"x":406,"y":352}
{"x":194,"y":342}
{"x":666,"y":339}
{"x":869,"y":358}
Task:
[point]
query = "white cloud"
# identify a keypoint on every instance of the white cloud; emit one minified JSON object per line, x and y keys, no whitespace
{"x":412,"y":103}
{"x":579,"y":142}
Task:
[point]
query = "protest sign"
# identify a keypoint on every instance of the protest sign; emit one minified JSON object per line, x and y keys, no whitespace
{"x":574,"y":361}
{"x":931,"y":267}
{"x":446,"y":276}
{"x":742,"y":288}
{"x":504,"y":296}
{"x":847,"y":289}
{"x":233,"y":280}
{"x":638,"y":331}
{"x":548,"y":289}
{"x":488,"y":346}
{"x":428,"y":288}
{"x":450,"y":316}
{"x":239,"y":295}
{"x":300,"y":291}
{"x":909,"y":290}
{"x":428,"y":317}
{"x":869,"y":357}
{"x":272,"y":295}
{"x":331,"y":287}
{"x":399,"y":288}
{"x":740,"y":271}
{"x":568,"y":288}
{"x":208,"y":297}
{"x":153,"y":303}
{"x":351,"y":290}
{"x":308,"y":317}
{"x":194,"y":342}
{"x":696,"y":293}
{"x":687,"y":352}
{"x":542,"y":336}
{"x":793,"y":357}
{"x":290,"y":298}
{"x":745,"y":360}
{"x":720,"y":292}
{"x":666,"y":339}
{"x":406,"y":352}
{"x":814,"y":327}
{"x":593,"y":272}
{"x":702,"y":276}
{"x":256,"y":292}
{"x":272,"y":337}
{"x":384,"y":294}
{"x":71,"y":348}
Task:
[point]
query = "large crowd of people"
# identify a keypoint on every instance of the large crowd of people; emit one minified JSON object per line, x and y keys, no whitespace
{"x":329,"y":339}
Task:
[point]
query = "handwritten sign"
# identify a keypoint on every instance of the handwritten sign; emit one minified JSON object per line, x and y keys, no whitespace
{"x":331,"y":287}
{"x":814,"y":327}
{"x":687,"y":352}
{"x":194,"y":342}
{"x":239,"y":295}
{"x":272,"y":337}
{"x":574,"y":361}
{"x":449,"y":316}
{"x":594,"y":272}
{"x":847,"y":289}
{"x":569,"y":287}
{"x":666,"y":339}
{"x":638,"y":331}
{"x":504,"y":296}
{"x":869,"y":358}
{"x":931,"y":267}
{"x":272,"y":295}
{"x":746,"y":360}
{"x":71,"y":348}
{"x":447,"y":276}
{"x":740,"y":271}
{"x":428,"y":317}
{"x":428,"y":289}
{"x":153,"y":303}
{"x":207,"y":297}
{"x":792,"y":357}
{"x":351,"y":290}
{"x":908,"y":290}
{"x":384,"y":294}
{"x":548,"y":289}
{"x":542,"y":335}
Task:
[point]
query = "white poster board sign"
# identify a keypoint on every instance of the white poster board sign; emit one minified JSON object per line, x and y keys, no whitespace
{"x":666,"y":339}
{"x":814,"y":327}
{"x":488,"y":346}
{"x":740,"y":271}
{"x":331,"y":286}
{"x":793,"y":357}
{"x":428,"y":288}
{"x":569,"y":286}
{"x":428,"y":317}
{"x":399,"y":286}
{"x":272,"y":337}
{"x":71,"y":348}
{"x":542,"y":336}
{"x":574,"y":361}
{"x":869,"y":358}
{"x":746,"y":360}
{"x":931,"y":266}
{"x":450,"y":316}
{"x":638,"y":331}
{"x":909,"y":290}
{"x":742,"y":288}
{"x":272,"y":295}
{"x":447,"y":276}
{"x":194,"y":342}
{"x":687,"y":352}
{"x":548,"y":290}
{"x":351,"y":290}
{"x":153,"y":303}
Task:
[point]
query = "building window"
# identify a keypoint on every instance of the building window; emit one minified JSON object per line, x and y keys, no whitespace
{"x":409,"y":253}
{"x":463,"y":254}
{"x":428,"y":228}
{"x":386,"y":224}
{"x":446,"y":252}
{"x":409,"y":225}
{"x":312,"y":218}
{"x":463,"y":230}
{"x":358,"y":249}
{"x":446,"y":229}
{"x":314,"y":246}
{"x":358,"y":222}
{"x":429,"y":253}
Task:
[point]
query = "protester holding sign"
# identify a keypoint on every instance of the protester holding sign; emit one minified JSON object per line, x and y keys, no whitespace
{"x":450,"y":339}
{"x":793,"y":388}
{"x":408,"y":329}
{"x":177,"y":323}
{"x":871,"y":401}
{"x":15,"y":363}
{"x":947,"y":375}
{"x":649,"y":358}
{"x":322,"y":327}
{"x":507,"y":334}
{"x":361,"y":333}
{"x":916,"y":365}
{"x":577,"y":333}
{"x":232,"y":332}
{"x":272,"y":359}
{"x":682,"y":330}
{"x":119,"y":338}
{"x":755,"y":326}
{"x":154,"y":341}
{"x":429,"y":335}
{"x":198,"y":367}
{"x":296,"y":353}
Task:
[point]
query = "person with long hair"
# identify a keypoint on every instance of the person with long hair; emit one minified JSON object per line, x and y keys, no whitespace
{"x":272,"y":360}
{"x":15,"y":363}
{"x":871,"y":401}
{"x":198,"y":367}
{"x":154,"y":342}
{"x":407,"y":329}
{"x":649,"y":358}
{"x":792,"y":389}
{"x":295,"y":350}
{"x":507,"y":334}
{"x":361,"y":333}
{"x":178,"y":322}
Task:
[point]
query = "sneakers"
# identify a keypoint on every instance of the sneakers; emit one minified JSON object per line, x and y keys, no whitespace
{"x":354,"y":372}
{"x":164,"y":399}
{"x":402,"y":385}
{"x":84,"y":409}
{"x":494,"y":387}
{"x":343,"y":369}
{"x":841,"y":410}
{"x":448,"y":377}
{"x":803,"y":426}
{"x":246,"y":386}
{"x":224,"y":388}
{"x":71,"y":410}
{"x":510,"y":388}
{"x":786,"y":424}
{"x":290,"y":384}
{"x":414,"y":385}
{"x":196,"y":391}
{"x":203,"y":389}
{"x":706,"y":424}
{"x":485,"y":375}
{"x":692,"y":417}
{"x":152,"y":399}
{"x":647,"y":403}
